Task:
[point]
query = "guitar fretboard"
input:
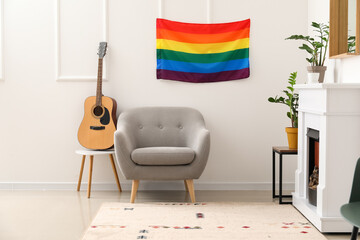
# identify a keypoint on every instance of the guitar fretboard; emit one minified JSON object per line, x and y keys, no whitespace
{"x":99,"y":83}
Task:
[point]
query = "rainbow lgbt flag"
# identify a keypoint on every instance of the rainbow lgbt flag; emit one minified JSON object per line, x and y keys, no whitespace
{"x":193,"y":52}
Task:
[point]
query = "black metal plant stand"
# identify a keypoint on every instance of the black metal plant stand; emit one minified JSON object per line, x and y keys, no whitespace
{"x":281,"y":151}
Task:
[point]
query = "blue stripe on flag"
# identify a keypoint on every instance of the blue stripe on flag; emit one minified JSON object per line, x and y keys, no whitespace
{"x":203,"y":67}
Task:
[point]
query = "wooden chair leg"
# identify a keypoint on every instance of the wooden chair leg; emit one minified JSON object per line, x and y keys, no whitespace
{"x":115,"y":172}
{"x":354,"y":233}
{"x":81,"y":172}
{"x":90,"y":175}
{"x":190,"y":185}
{"x":135,"y":185}
{"x":186,"y":187}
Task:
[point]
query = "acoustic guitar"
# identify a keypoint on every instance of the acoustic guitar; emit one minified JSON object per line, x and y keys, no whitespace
{"x":97,"y":128}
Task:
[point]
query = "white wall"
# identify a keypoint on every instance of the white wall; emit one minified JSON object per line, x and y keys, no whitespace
{"x":40,"y":116}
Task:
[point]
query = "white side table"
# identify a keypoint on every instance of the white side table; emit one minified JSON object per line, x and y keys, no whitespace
{"x":92,"y":153}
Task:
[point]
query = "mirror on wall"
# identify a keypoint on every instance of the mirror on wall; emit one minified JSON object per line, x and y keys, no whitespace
{"x":344,"y":28}
{"x":351,"y":26}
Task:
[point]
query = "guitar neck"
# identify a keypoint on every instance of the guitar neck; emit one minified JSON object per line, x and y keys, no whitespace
{"x":99,"y":83}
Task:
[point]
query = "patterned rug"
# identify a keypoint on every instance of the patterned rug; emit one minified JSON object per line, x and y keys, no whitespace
{"x":160,"y":221}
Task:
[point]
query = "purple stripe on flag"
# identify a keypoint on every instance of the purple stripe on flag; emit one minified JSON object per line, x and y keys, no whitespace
{"x":203,"y":77}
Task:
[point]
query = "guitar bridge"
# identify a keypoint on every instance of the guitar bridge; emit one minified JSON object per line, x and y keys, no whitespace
{"x":97,"y":127}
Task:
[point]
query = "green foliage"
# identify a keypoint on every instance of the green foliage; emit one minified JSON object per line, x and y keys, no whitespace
{"x":351,"y":44}
{"x":291,"y":99}
{"x":317,"y":46}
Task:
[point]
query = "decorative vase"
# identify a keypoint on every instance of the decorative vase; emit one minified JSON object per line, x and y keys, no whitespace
{"x":316,"y":74}
{"x":292,"y":135}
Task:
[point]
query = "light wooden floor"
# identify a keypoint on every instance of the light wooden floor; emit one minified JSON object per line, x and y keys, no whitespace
{"x":65,"y":215}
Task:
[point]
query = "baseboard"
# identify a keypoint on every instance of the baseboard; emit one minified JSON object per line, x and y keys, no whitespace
{"x":144,"y":185}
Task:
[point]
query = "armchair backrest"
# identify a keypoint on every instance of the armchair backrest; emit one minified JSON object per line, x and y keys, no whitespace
{"x":161,"y":126}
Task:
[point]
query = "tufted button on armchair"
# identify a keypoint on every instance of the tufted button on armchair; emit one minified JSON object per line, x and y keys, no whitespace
{"x":162,"y":143}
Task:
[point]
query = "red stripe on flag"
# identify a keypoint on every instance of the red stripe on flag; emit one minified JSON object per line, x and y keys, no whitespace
{"x":201,"y":28}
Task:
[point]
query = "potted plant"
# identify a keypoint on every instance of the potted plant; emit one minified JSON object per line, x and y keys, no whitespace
{"x":317,"y":48}
{"x":291,"y":99}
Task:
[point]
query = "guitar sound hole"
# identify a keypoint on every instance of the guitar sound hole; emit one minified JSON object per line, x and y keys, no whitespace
{"x":98,"y":111}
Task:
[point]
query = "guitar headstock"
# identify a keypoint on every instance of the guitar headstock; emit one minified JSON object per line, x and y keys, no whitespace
{"x":102,"y":49}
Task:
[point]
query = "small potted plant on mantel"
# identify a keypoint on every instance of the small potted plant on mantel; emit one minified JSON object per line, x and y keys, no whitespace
{"x":291,"y":100}
{"x":317,"y":48}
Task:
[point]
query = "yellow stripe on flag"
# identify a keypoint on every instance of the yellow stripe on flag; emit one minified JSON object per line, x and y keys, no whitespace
{"x":202,"y":47}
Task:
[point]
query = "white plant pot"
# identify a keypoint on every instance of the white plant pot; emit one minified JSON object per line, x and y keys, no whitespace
{"x":316,"y":74}
{"x":313,"y":77}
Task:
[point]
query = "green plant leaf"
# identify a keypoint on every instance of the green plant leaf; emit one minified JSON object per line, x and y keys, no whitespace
{"x":297,"y":37}
{"x":293,"y":75}
{"x":270,"y":99}
{"x":318,"y":44}
{"x":307,"y":48}
{"x":315,"y":25}
{"x":288,"y":114}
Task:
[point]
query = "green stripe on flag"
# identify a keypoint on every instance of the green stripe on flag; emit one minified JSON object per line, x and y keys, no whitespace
{"x":202,"y":58}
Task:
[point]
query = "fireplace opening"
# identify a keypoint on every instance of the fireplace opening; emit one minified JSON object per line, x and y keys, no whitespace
{"x":313,"y":163}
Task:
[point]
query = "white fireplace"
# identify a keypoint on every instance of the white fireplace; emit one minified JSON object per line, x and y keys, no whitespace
{"x":334,"y":111}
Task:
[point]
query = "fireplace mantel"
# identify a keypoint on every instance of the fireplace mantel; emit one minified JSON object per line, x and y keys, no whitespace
{"x":333,"y":110}
{"x":329,"y":99}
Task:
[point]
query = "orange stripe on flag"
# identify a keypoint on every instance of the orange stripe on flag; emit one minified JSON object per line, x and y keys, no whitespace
{"x":202,"y":38}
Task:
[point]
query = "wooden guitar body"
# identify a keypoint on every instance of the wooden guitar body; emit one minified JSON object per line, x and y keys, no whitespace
{"x":97,"y":128}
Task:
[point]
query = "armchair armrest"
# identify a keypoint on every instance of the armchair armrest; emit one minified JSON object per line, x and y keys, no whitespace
{"x":124,"y":144}
{"x":200,"y":143}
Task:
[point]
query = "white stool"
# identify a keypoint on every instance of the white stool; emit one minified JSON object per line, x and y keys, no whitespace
{"x":91,"y":153}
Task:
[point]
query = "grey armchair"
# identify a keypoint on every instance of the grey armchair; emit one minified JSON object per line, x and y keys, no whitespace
{"x":162,"y":143}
